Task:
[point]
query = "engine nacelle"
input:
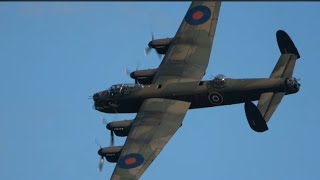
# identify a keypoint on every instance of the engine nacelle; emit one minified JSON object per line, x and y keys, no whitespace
{"x":160,"y":45}
{"x":120,"y":128}
{"x":111,"y":153}
{"x":292,"y":85}
{"x":144,"y":76}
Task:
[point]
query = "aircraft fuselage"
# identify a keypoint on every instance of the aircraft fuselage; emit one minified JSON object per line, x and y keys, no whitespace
{"x":201,"y":95}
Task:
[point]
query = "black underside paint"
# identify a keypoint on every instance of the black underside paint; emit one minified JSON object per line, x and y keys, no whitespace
{"x":254,"y":117}
{"x":285,"y":44}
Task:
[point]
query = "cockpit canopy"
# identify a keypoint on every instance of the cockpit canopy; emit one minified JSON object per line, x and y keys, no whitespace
{"x":123,"y":89}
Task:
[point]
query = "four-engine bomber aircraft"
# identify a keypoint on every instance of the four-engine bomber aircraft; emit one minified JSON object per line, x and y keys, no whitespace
{"x":161,"y":97}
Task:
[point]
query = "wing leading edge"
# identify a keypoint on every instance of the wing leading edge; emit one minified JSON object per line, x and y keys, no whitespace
{"x":154,"y":125}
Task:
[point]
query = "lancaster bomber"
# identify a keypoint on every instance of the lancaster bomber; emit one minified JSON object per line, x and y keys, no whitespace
{"x":161,"y":97}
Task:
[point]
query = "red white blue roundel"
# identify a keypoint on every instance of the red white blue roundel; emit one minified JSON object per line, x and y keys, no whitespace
{"x":130,"y":161}
{"x":198,"y":15}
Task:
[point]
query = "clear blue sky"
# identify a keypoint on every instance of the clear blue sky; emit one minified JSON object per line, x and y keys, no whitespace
{"x":53,"y":56}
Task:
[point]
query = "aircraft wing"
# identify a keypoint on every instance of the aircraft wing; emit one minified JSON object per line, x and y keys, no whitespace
{"x":188,"y":55}
{"x":158,"y":119}
{"x":154,"y":125}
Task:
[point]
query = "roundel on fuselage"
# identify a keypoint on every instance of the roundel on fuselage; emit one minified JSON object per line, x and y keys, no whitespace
{"x":215,"y":98}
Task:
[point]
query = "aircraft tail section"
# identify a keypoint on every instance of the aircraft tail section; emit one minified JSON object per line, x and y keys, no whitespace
{"x":269,"y":101}
{"x":254,"y":117}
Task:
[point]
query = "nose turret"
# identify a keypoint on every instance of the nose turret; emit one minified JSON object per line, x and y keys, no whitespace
{"x":100,"y":96}
{"x":96,"y":96}
{"x":101,"y":101}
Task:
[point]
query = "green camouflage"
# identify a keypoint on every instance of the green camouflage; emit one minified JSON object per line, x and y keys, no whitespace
{"x":156,"y":122}
{"x":269,"y":102}
{"x":188,"y":55}
{"x":176,"y":86}
{"x":158,"y":119}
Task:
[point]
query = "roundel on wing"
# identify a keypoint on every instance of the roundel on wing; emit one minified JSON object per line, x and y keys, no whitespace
{"x":198,"y":15}
{"x":130,"y":161}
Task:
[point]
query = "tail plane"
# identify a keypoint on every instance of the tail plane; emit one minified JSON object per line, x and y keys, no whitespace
{"x":259,"y":115}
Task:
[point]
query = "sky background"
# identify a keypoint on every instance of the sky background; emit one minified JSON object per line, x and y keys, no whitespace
{"x":53,"y":56}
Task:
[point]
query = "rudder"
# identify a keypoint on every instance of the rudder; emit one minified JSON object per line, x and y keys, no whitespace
{"x":289,"y":54}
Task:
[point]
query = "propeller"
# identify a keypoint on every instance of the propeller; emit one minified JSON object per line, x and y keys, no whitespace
{"x":149,"y":48}
{"x":106,"y":122}
{"x":101,"y":161}
{"x":97,"y":142}
{"x":112,"y":138}
{"x":128,"y":72}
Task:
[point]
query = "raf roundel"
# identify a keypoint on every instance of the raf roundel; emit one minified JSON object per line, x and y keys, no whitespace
{"x":198,"y":15}
{"x":215,"y":98}
{"x":130,"y":161}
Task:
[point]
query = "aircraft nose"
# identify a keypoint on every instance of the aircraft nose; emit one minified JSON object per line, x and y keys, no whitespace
{"x":96,"y":97}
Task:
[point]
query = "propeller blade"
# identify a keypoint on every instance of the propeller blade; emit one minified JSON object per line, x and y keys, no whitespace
{"x":147,"y":50}
{"x":127,"y":71}
{"x":104,"y":121}
{"x":97,"y":142}
{"x":159,"y":55}
{"x":138,"y":65}
{"x":111,"y":138}
{"x":101,"y":163}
